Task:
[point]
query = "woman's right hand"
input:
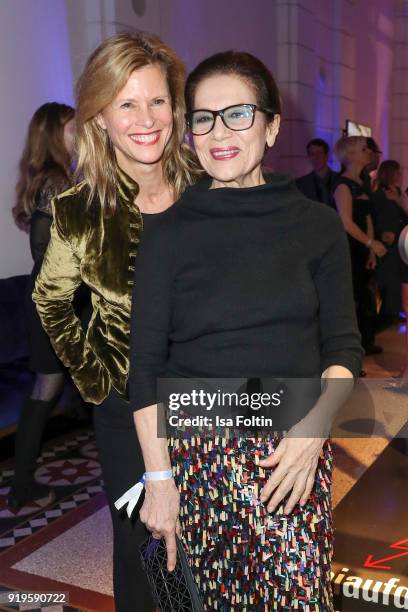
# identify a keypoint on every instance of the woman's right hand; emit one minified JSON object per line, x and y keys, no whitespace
{"x":378,"y":248}
{"x":160,"y":514}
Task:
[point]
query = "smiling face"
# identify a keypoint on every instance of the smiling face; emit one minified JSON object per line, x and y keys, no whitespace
{"x":232,"y":158}
{"x":139,"y":121}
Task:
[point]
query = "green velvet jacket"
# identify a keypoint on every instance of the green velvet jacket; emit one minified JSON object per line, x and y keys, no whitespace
{"x":87,"y":246}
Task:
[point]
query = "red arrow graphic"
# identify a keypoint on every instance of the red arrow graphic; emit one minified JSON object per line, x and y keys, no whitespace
{"x":377,"y":563}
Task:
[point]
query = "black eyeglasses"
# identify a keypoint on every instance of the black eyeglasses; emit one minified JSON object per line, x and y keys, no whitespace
{"x":237,"y":117}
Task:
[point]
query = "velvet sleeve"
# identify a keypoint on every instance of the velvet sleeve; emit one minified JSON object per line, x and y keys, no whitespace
{"x":339,"y":336}
{"x":151,"y":315}
{"x":53,"y":295}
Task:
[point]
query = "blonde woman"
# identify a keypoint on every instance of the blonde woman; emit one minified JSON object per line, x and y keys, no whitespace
{"x":45,"y":171}
{"x":130,"y":124}
{"x":354,"y":207}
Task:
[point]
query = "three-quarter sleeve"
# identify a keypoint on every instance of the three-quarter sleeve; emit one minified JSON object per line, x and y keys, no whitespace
{"x":53,"y":295}
{"x":339,"y":335}
{"x":41,"y":219}
{"x":39,"y":235}
{"x":151,"y":315}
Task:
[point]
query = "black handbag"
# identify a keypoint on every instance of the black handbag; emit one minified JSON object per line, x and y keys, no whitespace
{"x":174,"y":591}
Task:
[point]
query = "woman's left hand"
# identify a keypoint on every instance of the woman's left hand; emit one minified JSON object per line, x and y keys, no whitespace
{"x":295,"y":460}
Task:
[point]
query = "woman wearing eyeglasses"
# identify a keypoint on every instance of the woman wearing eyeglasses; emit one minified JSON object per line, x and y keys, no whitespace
{"x":243,"y":277}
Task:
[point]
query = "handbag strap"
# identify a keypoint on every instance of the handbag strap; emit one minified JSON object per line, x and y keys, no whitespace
{"x":191,"y":583}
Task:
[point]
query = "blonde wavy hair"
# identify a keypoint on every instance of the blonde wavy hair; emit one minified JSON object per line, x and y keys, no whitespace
{"x":345,"y":145}
{"x":44,"y":156}
{"x":106,"y":73}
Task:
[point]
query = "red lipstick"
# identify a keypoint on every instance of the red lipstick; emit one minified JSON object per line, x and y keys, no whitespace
{"x":223,"y":153}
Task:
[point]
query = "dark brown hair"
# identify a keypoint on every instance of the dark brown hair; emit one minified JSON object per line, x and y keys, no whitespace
{"x":44,"y":156}
{"x":318,"y":142}
{"x":243,"y":65}
{"x":386,"y":173}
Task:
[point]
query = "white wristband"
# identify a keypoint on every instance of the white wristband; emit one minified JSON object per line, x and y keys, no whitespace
{"x":131,"y":497}
{"x":369,"y":243}
{"x":164,"y":475}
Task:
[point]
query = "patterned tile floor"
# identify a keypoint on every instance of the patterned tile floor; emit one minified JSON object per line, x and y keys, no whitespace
{"x":70,"y":466}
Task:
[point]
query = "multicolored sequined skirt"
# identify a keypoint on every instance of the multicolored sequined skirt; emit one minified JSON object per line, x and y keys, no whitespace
{"x":244,"y":558}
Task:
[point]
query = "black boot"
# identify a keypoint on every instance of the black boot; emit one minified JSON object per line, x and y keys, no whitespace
{"x":31,"y":425}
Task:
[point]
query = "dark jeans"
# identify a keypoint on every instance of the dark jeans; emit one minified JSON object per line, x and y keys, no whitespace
{"x":122,"y":465}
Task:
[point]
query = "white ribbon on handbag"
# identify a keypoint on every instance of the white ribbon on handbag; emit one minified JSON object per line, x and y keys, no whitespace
{"x":131,"y":497}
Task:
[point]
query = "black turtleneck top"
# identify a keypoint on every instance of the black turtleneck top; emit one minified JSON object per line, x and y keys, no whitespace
{"x":251,"y":282}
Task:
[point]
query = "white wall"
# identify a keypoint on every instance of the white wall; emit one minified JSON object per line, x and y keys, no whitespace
{"x":335,"y":63}
{"x":35,"y":67}
{"x":88,"y":23}
{"x":198,"y":28}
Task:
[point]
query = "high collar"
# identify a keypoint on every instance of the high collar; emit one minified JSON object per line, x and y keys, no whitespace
{"x":278,"y":191}
{"x":127,"y":187}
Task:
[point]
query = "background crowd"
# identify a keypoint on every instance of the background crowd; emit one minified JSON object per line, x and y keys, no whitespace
{"x":369,"y":196}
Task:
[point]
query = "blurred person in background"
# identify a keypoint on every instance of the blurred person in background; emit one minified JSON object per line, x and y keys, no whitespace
{"x":368,"y":174}
{"x":45,"y":171}
{"x":390,"y":215}
{"x":354,"y":207}
{"x":319,"y":184}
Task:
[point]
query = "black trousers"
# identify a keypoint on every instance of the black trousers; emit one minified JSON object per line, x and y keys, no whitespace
{"x":364,"y":300}
{"x":122,"y":465}
{"x":389,"y":282}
